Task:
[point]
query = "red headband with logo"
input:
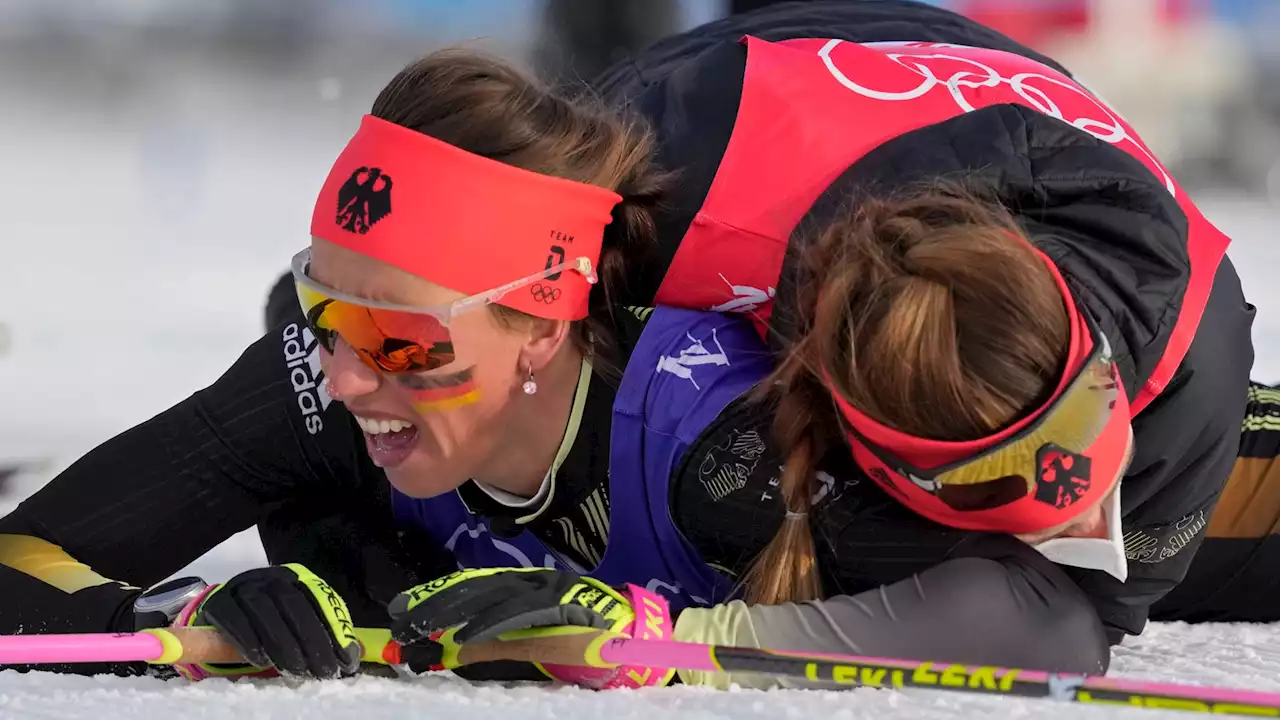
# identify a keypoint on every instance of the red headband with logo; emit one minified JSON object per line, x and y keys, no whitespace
{"x":463,"y":221}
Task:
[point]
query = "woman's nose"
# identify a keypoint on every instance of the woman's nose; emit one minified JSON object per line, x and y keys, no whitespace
{"x":348,"y":376}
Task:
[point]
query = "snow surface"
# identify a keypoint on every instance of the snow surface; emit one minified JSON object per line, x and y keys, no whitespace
{"x":133,"y":267}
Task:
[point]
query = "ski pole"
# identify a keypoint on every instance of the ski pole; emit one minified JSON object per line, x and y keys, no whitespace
{"x":593,"y":648}
{"x":164,"y":646}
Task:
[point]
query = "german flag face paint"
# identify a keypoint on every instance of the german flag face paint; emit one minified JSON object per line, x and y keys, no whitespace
{"x":437,"y":393}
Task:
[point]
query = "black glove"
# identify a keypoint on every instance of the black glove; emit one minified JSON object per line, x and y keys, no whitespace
{"x":434,"y":620}
{"x":283,"y":617}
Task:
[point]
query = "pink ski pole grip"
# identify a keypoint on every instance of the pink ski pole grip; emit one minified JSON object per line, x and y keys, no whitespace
{"x":653,"y":623}
{"x":149,"y":646}
{"x":165,"y":646}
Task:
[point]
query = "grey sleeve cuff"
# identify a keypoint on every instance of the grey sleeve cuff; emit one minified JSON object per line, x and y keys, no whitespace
{"x":1008,"y":612}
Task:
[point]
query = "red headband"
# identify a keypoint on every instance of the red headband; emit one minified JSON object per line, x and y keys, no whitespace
{"x":462,"y":221}
{"x":1108,"y":453}
{"x":926,"y":453}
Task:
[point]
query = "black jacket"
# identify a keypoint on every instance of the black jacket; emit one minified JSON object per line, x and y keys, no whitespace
{"x":1117,"y":234}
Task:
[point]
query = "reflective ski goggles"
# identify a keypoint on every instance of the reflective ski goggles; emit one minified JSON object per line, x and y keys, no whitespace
{"x":1036,"y":475}
{"x":398,"y":339}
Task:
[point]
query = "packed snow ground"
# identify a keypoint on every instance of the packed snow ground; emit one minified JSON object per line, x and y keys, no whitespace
{"x":1243,"y":656}
{"x":133,"y":267}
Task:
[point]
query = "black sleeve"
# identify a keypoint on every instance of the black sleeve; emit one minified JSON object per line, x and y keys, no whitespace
{"x":147,"y":502}
{"x":356,"y":547}
{"x":895,"y":584}
{"x":1186,"y":442}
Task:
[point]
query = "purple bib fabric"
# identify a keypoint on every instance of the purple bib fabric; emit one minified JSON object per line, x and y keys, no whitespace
{"x":687,"y":366}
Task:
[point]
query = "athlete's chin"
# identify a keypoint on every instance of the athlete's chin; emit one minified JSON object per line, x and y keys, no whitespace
{"x":422,"y":475}
{"x":420,"y":483}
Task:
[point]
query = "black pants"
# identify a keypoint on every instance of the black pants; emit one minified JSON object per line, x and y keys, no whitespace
{"x":1235,"y":576}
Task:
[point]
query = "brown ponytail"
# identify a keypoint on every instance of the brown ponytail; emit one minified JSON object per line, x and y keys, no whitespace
{"x":485,"y":106}
{"x":787,"y":569}
{"x":932,"y":314}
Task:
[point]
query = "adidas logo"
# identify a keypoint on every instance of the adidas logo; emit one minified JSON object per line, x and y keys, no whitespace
{"x":302,"y":358}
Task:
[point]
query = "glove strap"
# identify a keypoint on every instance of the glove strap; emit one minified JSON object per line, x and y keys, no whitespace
{"x":188,"y":611}
{"x":195,"y":672}
{"x":653,"y":622}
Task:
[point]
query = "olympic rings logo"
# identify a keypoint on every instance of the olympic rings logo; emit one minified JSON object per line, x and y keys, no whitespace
{"x":1046,"y":92}
{"x":545,"y":294}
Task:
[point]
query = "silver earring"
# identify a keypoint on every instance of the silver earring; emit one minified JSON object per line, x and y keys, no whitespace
{"x":530,"y":386}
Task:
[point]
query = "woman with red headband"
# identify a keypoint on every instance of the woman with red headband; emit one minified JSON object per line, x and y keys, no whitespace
{"x":480,"y":376}
{"x":962,"y":388}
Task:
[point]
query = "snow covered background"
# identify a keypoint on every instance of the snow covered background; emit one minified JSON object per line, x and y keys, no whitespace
{"x":145,"y":220}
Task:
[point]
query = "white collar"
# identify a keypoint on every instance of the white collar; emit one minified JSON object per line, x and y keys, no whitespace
{"x":1106,"y":555}
{"x":515,"y":502}
{"x":540,"y":501}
